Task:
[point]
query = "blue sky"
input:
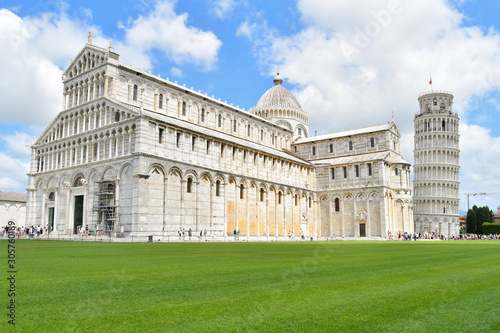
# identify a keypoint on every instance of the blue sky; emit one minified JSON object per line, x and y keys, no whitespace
{"x":349,"y":63}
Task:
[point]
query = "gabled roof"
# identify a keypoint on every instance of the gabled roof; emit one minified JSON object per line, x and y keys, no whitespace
{"x":372,"y":129}
{"x":108,"y":100}
{"x":82,"y":51}
{"x":13,"y":196}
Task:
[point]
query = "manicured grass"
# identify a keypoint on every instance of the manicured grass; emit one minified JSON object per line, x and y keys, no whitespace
{"x":301,"y":286}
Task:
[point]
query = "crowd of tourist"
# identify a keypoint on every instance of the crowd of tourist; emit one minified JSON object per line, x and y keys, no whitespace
{"x":25,"y":232}
{"x":37,"y":231}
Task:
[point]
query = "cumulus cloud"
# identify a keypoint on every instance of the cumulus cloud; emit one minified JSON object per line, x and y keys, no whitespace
{"x":13,"y":171}
{"x":165,"y":31}
{"x":223,"y":8}
{"x":355,"y":62}
{"x":18,"y":144}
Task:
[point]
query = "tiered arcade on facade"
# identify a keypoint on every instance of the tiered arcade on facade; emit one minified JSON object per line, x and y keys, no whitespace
{"x":138,"y":155}
{"x":436,"y":169}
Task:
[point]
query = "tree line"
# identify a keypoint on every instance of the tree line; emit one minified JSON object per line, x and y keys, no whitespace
{"x":476,"y":217}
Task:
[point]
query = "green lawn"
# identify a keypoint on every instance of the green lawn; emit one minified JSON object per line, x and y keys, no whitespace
{"x":301,"y":286}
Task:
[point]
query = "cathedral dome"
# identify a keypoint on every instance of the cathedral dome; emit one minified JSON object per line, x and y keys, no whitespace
{"x":278,"y":98}
{"x":280,"y":106}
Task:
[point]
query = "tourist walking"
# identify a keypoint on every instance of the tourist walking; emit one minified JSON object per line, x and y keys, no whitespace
{"x":190,"y":233}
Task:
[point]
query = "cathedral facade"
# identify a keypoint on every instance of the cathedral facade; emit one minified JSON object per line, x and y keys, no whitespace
{"x":135,"y":154}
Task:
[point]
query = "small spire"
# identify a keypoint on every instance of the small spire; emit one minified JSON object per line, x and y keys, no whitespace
{"x":392,"y":115}
{"x":111,"y":48}
{"x":90,"y":38}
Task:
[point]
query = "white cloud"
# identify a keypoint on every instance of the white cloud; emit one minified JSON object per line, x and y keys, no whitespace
{"x":223,"y":8}
{"x":17,"y":144}
{"x":355,"y":62}
{"x":176,"y":72}
{"x":13,"y":171}
{"x":7,"y":184}
{"x":246,"y":30}
{"x":163,"y":30}
{"x":33,"y":50}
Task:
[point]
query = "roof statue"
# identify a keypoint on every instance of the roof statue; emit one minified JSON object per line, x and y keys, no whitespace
{"x":90,"y":38}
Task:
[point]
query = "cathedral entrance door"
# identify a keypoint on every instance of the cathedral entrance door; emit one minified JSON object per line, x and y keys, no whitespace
{"x":51,"y":219}
{"x":78,"y":216}
{"x":362,"y":230}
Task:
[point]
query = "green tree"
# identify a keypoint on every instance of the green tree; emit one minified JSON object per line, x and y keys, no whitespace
{"x":476,"y":217}
{"x":470,"y":221}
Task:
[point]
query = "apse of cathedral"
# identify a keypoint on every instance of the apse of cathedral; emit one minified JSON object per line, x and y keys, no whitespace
{"x":131,"y":153}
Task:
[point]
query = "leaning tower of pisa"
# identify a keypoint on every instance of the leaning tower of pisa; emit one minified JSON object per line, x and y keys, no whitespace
{"x":436,"y":166}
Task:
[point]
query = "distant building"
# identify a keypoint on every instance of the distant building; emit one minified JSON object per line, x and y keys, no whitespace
{"x":138,"y":155}
{"x":436,"y":167}
{"x":12,"y":208}
{"x":496,"y":217}
{"x":463,"y":222}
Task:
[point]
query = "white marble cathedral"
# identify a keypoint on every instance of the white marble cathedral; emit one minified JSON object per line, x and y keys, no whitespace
{"x":436,"y":169}
{"x":139,"y":154}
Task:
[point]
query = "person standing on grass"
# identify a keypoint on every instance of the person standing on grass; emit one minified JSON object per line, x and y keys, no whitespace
{"x":180,"y":233}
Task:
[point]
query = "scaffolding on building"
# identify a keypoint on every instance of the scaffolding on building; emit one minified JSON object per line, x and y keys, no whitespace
{"x":105,"y":205}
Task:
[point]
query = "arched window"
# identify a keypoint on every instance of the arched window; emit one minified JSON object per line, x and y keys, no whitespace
{"x":261,"y":135}
{"x":350,"y":145}
{"x":117,"y":116}
{"x":202,"y":115}
{"x":242,"y":188}
{"x":220,"y":120}
{"x":443,"y":125}
{"x":331,"y":147}
{"x":217,"y":188}
{"x":300,"y":131}
{"x":372,"y":142}
{"x":189,"y":185}
{"x":356,"y":169}
{"x":261,"y":194}
{"x":52,"y":196}
{"x":234,"y":125}
{"x":183,"y":108}
{"x":296,"y":199}
{"x":314,"y":150}
{"x":279,"y":198}
{"x":248,"y":130}
{"x":396,"y":171}
{"x":134,"y":96}
{"x":310,"y":202}
{"x":160,"y":101}
{"x":337,"y":204}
